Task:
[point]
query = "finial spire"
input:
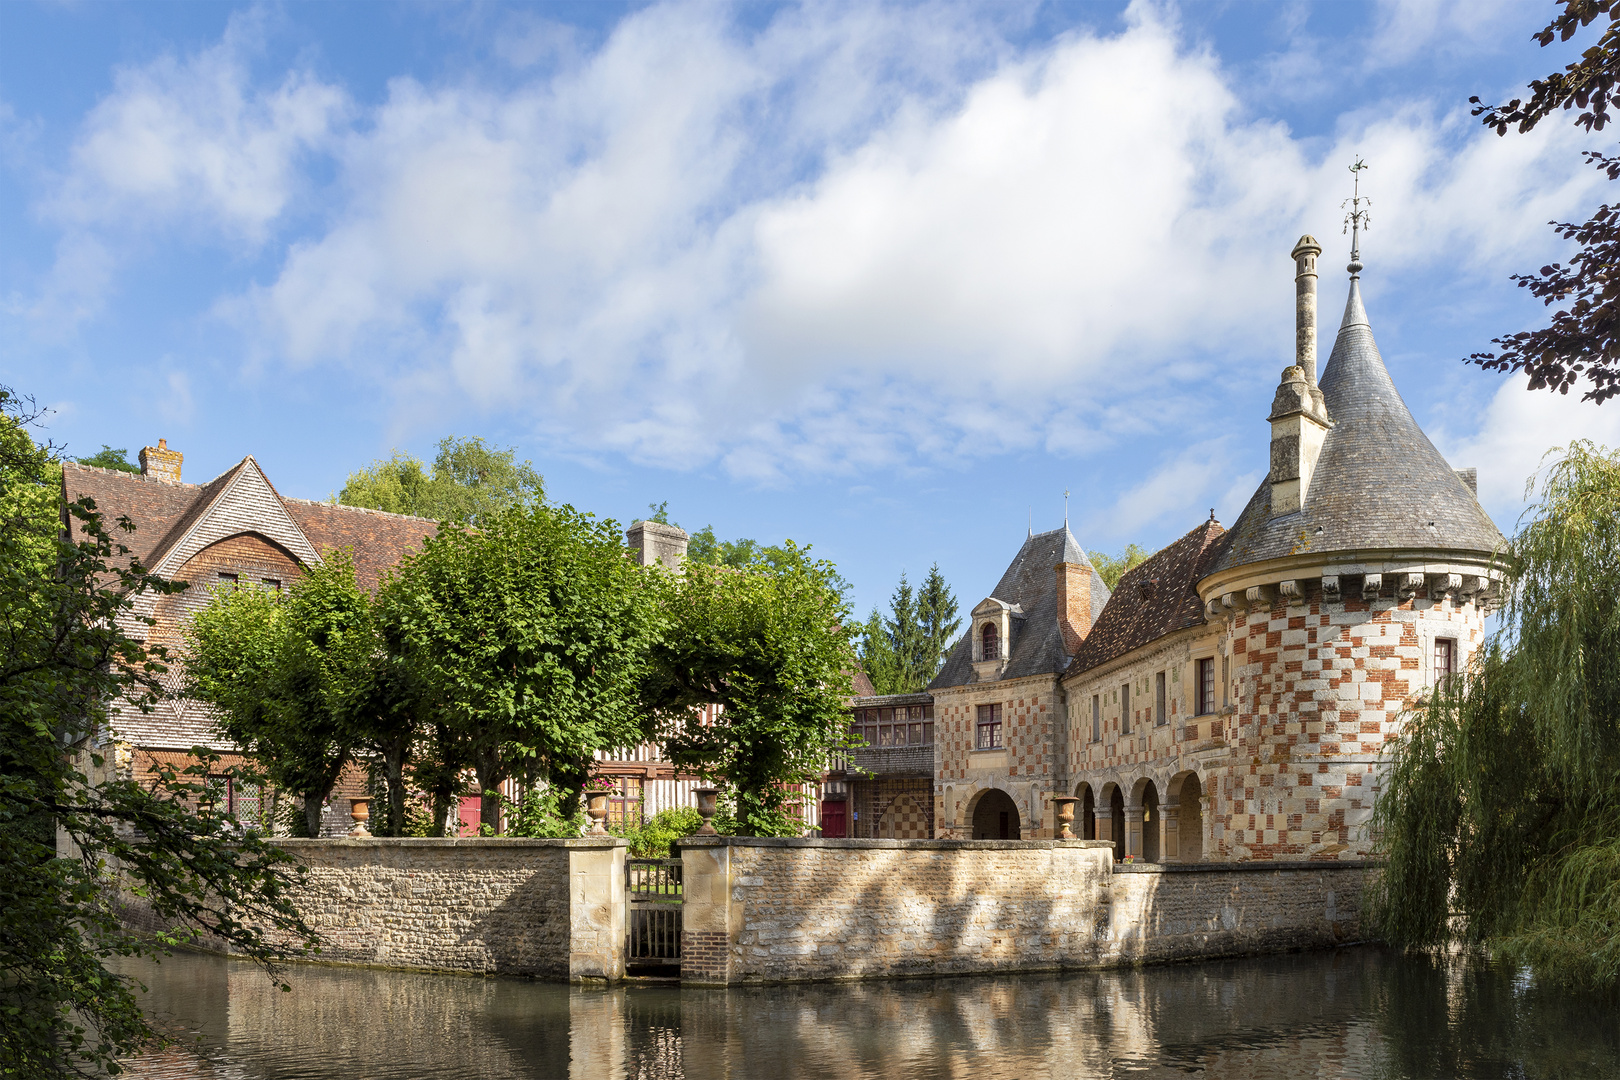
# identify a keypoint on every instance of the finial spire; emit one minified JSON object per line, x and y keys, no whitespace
{"x":1357,"y":219}
{"x":1065,"y":508}
{"x":1031,"y":521}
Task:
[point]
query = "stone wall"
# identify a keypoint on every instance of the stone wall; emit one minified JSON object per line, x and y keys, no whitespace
{"x":785,"y":910}
{"x":547,"y":908}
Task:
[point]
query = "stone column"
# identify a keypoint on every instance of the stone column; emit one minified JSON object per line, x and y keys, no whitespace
{"x":707,"y":930}
{"x":1104,"y":815}
{"x":1170,"y":838}
{"x":596,"y":908}
{"x":1133,"y":832}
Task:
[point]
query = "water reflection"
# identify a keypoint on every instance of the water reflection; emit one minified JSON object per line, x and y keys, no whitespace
{"x":1351,"y":1013}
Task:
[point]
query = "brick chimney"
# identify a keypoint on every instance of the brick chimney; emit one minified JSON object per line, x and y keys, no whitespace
{"x":160,"y":463}
{"x":1074,"y":604}
{"x":653,"y":541}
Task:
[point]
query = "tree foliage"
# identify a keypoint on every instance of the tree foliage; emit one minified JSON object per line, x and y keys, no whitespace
{"x":69,"y":665}
{"x":1583,"y":340}
{"x":470,"y":481}
{"x":531,"y":634}
{"x":1113,"y":567}
{"x":902,"y":651}
{"x":108,"y":458}
{"x":1502,"y":802}
{"x":287,"y":674}
{"x":769,"y":644}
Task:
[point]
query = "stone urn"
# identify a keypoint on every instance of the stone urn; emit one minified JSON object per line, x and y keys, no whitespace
{"x":596,"y":807}
{"x":706,"y":797}
{"x":360,"y":811}
{"x":1065,"y":816}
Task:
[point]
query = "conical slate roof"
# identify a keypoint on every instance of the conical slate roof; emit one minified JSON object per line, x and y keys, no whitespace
{"x":1030,"y":582}
{"x":1379,"y":481}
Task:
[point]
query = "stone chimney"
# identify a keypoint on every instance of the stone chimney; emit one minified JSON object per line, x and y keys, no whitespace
{"x":160,"y":463}
{"x":1299,"y":424}
{"x":1304,"y":255}
{"x":1073,"y":604}
{"x":653,"y":541}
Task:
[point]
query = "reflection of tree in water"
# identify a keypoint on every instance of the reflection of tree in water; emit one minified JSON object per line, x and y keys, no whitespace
{"x":1454,"y":1017}
{"x":1356,"y":1012}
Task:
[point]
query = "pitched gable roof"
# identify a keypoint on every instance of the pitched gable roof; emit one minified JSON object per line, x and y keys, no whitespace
{"x":1379,"y":481}
{"x":173,"y":521}
{"x":1154,"y":598}
{"x":1030,"y":583}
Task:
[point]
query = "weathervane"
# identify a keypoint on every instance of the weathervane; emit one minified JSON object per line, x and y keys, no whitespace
{"x":1357,"y":219}
{"x":1065,"y":508}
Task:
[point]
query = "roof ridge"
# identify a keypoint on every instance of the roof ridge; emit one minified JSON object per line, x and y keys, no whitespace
{"x":325,"y":505}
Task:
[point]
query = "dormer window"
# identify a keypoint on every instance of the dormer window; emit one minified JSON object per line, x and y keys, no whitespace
{"x":992,"y":641}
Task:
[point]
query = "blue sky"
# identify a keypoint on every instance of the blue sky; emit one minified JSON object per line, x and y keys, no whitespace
{"x":884,"y":279}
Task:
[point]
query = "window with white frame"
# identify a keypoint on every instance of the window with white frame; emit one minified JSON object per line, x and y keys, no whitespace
{"x":989,"y":728}
{"x":1205,"y":670}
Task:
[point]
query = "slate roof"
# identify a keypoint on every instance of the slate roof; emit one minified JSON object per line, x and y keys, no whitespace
{"x":1154,"y":598}
{"x":1031,"y":583}
{"x":162,"y":513}
{"x":1379,"y":482}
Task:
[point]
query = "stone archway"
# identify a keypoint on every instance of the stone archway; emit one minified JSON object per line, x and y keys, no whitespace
{"x":903,"y":820}
{"x":995,"y":817}
{"x":1085,"y":819}
{"x":1190,"y":819}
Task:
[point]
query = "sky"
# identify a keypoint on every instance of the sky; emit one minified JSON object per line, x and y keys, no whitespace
{"x":888,"y":280}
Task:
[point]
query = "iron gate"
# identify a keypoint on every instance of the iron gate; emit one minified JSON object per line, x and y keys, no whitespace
{"x":654,"y":890}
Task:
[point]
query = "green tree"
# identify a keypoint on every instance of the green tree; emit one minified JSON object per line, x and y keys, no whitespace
{"x":533,"y":633}
{"x":1502,"y":801}
{"x":939,"y":621}
{"x":1583,"y":339}
{"x":108,"y":458}
{"x":288,"y":675}
{"x":470,"y":482}
{"x":69,"y":665}
{"x":877,"y":656}
{"x":770,"y":645}
{"x":1113,"y":567}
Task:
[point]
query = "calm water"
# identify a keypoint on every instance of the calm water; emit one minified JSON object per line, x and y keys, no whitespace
{"x":1357,"y":1012}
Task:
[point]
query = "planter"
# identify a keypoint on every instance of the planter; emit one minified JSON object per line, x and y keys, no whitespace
{"x":360,"y":811}
{"x":1065,"y":816}
{"x":706,"y":797}
{"x":596,"y":806}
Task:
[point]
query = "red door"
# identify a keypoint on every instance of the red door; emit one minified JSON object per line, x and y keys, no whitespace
{"x":832,"y":820}
{"x":471,"y":808}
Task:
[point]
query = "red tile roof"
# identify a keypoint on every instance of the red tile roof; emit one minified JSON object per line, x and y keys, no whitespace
{"x":1153,"y":599}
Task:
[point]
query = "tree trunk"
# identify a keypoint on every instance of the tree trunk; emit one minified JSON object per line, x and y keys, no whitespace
{"x":394,"y":755}
{"x":312,"y":812}
{"x":491,"y":773}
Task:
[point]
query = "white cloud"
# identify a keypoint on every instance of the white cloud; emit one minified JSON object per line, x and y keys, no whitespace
{"x":855,"y":238}
{"x":1518,"y":428}
{"x":191,"y":140}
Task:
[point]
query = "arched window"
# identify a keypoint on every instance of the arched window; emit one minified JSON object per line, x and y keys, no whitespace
{"x":992,"y":641}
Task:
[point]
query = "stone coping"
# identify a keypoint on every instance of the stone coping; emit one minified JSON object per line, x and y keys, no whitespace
{"x":1252,"y":864}
{"x":904,"y":845}
{"x":306,"y":843}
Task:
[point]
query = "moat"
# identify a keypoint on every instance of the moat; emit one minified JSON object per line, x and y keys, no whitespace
{"x":1355,"y":1012}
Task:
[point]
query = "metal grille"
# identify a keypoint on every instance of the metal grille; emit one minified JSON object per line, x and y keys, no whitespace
{"x":655,"y":894}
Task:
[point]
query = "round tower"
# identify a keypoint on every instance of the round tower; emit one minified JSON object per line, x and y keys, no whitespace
{"x":1356,"y":578}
